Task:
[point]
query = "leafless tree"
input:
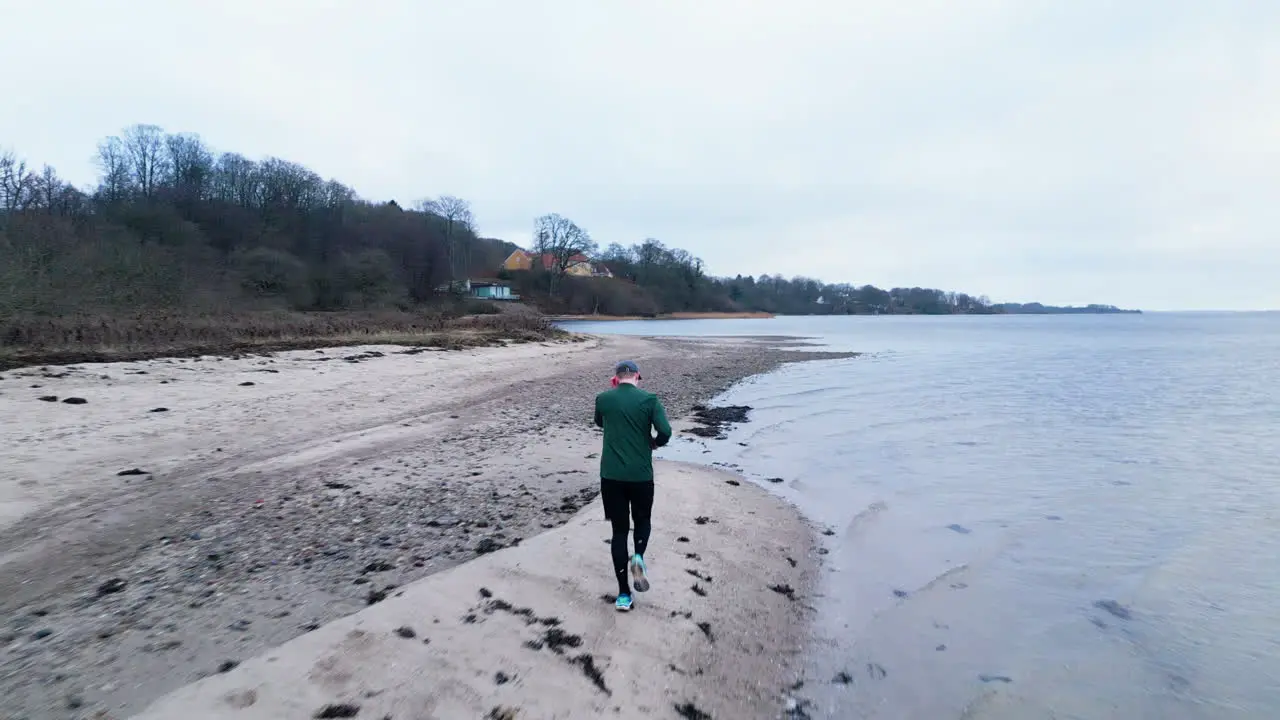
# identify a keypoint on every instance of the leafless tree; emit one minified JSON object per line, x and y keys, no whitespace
{"x":17,"y":184}
{"x":288,"y":186}
{"x":459,"y":229}
{"x":236,"y":181}
{"x":144,"y":147}
{"x":113,"y":163}
{"x":190,"y":165}
{"x":563,"y":240}
{"x":49,"y":189}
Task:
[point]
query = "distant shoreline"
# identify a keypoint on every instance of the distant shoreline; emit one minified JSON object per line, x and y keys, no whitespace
{"x":1006,"y":310}
{"x":671,"y":316}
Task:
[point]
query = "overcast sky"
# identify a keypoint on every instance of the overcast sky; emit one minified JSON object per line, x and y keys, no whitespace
{"x":1068,"y":151}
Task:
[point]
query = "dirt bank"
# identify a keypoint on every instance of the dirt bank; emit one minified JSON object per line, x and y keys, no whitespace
{"x":190,"y":514}
{"x":526,"y":632}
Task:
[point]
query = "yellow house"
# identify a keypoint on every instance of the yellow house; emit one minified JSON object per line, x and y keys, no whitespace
{"x":522,"y":260}
{"x":517,"y":260}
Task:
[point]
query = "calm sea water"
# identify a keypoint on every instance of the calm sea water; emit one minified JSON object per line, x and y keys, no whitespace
{"x":1033,"y":517}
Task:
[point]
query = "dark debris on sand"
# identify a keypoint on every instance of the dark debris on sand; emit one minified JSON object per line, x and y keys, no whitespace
{"x":797,"y":709}
{"x":337,"y":710}
{"x":689,"y":711}
{"x":784,"y":590}
{"x":593,"y":673}
{"x":111,"y":586}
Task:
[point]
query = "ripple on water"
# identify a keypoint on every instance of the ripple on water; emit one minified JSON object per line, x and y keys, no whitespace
{"x":1081,"y":514}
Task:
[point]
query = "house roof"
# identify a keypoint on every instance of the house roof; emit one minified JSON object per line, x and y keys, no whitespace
{"x":549,"y":259}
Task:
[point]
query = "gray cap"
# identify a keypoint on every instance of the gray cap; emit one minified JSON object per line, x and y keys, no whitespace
{"x":628,"y":366}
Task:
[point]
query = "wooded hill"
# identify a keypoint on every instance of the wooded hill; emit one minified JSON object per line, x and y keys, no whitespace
{"x":174,"y":225}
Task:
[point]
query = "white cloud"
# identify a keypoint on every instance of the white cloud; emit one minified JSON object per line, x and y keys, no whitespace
{"x":1066,"y":152}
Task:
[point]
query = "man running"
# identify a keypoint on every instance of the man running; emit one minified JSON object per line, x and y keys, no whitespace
{"x":628,"y":414}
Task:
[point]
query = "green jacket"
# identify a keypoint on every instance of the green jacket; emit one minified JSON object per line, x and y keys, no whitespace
{"x":627,"y":413}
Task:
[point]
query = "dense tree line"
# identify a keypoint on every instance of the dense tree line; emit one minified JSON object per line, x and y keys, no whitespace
{"x":651,"y":278}
{"x":1036,"y":308}
{"x":172,"y":224}
{"x":667,"y":280}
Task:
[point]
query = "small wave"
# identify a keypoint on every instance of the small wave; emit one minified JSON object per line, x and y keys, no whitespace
{"x":948,"y":574}
{"x":865,"y":516}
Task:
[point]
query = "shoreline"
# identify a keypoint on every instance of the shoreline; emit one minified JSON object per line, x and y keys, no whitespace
{"x":668,"y":316}
{"x":173,"y":524}
{"x":525,"y":632}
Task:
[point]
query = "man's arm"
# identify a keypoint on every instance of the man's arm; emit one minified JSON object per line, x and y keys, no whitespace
{"x":660,"y":423}
{"x":599,"y":418}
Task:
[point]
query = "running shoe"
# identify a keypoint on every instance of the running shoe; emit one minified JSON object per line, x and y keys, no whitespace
{"x":639,"y":576}
{"x":623,"y":603}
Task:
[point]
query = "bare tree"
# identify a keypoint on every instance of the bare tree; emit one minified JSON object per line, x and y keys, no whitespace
{"x":49,"y":189}
{"x":563,"y":240}
{"x":17,"y":184}
{"x":114,"y":165}
{"x":190,"y":165}
{"x":237,"y":181}
{"x":459,"y":229}
{"x":144,"y":147}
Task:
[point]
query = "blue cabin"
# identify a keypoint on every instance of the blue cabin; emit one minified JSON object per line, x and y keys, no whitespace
{"x":492,"y":290}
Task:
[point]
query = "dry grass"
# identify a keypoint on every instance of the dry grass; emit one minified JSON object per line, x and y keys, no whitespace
{"x":35,"y":340}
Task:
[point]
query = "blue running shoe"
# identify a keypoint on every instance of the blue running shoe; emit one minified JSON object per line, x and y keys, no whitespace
{"x":639,"y":574}
{"x":623,"y":603}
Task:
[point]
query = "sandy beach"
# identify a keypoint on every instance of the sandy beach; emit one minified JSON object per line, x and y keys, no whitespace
{"x":526,"y":632}
{"x":166,"y":519}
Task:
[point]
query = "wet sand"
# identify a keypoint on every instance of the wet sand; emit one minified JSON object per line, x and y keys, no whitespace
{"x":189,"y":515}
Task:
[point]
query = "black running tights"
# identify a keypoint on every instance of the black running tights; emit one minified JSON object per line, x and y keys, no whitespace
{"x":620,"y":496}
